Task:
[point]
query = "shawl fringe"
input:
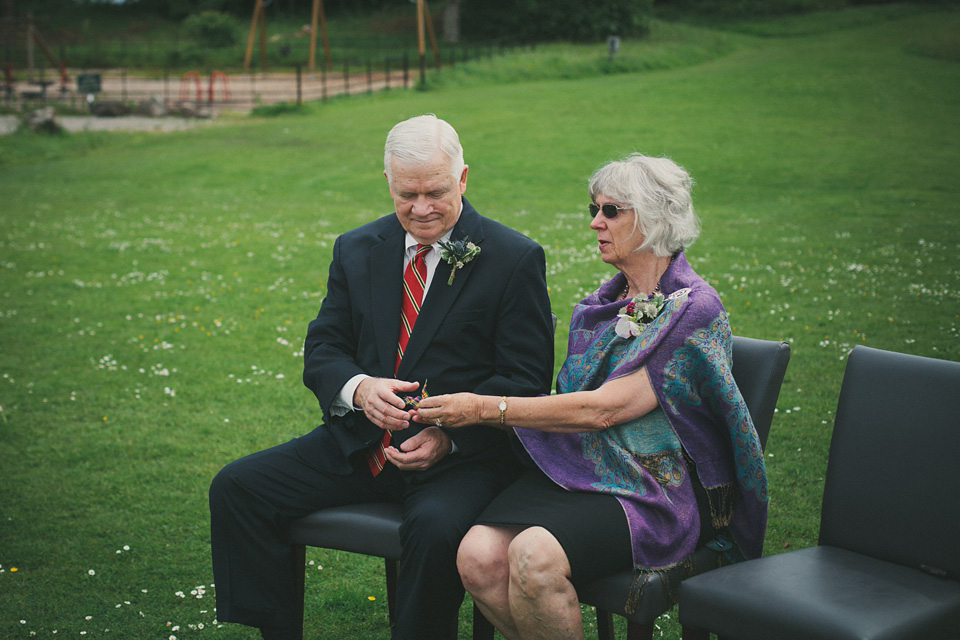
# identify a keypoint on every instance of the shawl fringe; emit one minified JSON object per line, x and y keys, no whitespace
{"x":726,"y":553}
{"x":671,"y":577}
{"x":722,"y":501}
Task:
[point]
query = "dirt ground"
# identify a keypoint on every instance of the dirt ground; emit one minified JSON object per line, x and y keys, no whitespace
{"x":211,"y":95}
{"x":216,"y":91}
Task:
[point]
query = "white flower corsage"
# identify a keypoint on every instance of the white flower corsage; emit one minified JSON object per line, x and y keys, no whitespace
{"x":638,"y":313}
{"x":457,"y":253}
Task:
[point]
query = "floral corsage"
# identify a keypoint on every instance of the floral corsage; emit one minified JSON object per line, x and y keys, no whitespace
{"x":638,"y":313}
{"x":458,"y":253}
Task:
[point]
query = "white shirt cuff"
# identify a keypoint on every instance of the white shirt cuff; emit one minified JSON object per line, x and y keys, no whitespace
{"x":343,"y":404}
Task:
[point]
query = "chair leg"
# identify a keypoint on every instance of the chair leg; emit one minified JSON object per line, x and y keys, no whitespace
{"x":482,"y":629}
{"x":604,"y":625}
{"x":688,"y":633}
{"x":637,"y":631}
{"x":390,"y":568}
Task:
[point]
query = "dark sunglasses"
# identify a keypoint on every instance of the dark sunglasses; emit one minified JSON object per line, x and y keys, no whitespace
{"x":609,"y":210}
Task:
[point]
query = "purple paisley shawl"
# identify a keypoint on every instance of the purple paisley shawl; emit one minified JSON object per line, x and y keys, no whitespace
{"x":687,"y":353}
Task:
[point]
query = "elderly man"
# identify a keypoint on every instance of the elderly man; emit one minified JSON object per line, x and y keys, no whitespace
{"x":434,"y":296}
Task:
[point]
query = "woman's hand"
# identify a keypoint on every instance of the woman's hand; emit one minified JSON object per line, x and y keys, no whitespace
{"x":451,"y":410}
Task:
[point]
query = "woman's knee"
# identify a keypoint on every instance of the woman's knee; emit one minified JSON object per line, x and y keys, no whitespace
{"x":481,"y":558}
{"x":538,"y":563}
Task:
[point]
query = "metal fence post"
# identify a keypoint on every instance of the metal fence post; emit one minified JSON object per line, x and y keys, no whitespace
{"x":323,"y":82}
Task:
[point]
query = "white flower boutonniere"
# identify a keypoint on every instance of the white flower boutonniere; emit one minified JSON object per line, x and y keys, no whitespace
{"x":457,"y":253}
{"x":638,"y":313}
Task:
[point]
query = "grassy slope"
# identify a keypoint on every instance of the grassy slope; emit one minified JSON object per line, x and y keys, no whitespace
{"x":133,"y":267}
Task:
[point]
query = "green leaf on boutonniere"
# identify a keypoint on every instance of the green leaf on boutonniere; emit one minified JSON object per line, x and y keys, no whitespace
{"x":457,"y":253}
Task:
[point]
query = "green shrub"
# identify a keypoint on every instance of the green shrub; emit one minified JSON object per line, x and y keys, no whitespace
{"x":744,"y":8}
{"x":278,"y":109}
{"x":212,"y":29}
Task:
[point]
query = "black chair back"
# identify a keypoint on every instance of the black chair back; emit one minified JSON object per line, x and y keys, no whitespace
{"x":758,"y":369}
{"x":892,"y":488}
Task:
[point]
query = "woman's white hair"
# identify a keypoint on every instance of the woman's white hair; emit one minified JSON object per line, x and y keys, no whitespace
{"x":415,"y":142}
{"x":658,"y":190}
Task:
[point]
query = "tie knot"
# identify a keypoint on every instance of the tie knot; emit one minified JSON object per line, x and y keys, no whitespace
{"x":422,"y":250}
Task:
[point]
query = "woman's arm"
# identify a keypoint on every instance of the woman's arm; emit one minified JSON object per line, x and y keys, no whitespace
{"x":615,"y":402}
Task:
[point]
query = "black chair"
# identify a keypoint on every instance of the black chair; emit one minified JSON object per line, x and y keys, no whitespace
{"x":887,"y":566}
{"x":374,"y":529}
{"x":758,"y":369}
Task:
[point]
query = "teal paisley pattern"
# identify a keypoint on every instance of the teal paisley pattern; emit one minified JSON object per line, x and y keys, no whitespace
{"x":622,"y":453}
{"x":701,"y":352}
{"x":701,"y":428}
{"x":607,"y":351}
{"x":619,"y":453}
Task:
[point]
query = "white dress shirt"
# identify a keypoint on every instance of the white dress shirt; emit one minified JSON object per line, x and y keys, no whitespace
{"x":344,"y":402}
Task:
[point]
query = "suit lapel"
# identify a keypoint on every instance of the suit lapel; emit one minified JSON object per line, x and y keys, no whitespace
{"x":386,"y":292}
{"x":441,"y":296}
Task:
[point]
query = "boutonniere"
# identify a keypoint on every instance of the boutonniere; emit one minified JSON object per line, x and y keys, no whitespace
{"x":457,"y":253}
{"x":638,"y":313}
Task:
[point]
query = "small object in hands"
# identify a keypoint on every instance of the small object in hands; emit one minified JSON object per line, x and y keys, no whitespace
{"x":412,"y":402}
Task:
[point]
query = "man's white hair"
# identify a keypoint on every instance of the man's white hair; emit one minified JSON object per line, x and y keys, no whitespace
{"x":416,"y":141}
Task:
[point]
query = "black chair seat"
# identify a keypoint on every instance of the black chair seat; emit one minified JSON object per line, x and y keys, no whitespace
{"x":371,"y":529}
{"x":825,"y":593}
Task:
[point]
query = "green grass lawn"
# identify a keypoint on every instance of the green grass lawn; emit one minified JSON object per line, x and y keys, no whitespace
{"x":155,"y":289}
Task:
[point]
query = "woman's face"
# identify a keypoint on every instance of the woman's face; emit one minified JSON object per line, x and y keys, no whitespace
{"x":616,"y":236}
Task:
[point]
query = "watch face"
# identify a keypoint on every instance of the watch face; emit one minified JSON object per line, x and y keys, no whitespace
{"x":503,"y":405}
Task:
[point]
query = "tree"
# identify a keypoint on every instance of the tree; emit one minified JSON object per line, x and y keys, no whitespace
{"x":546,"y":20}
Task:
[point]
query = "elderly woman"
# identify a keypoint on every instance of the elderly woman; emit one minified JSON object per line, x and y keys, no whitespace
{"x":647,"y":450}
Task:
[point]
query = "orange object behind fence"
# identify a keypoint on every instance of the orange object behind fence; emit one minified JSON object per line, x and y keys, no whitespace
{"x":224,"y":81}
{"x":214,"y":76}
{"x":185,"y":86}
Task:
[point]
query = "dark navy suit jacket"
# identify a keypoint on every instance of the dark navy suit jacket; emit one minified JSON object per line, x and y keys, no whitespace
{"x":489,"y":332}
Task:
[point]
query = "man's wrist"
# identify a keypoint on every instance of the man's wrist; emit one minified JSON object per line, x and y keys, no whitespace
{"x":346,"y":399}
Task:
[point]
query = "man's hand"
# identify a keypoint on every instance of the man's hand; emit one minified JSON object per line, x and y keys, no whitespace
{"x":421,"y":451}
{"x":380,"y":400}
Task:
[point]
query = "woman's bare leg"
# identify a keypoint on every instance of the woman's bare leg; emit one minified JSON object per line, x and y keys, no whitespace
{"x":484,"y":569}
{"x":543,"y":602}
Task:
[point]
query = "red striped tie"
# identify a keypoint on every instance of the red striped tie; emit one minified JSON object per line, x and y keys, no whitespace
{"x":414,"y":280}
